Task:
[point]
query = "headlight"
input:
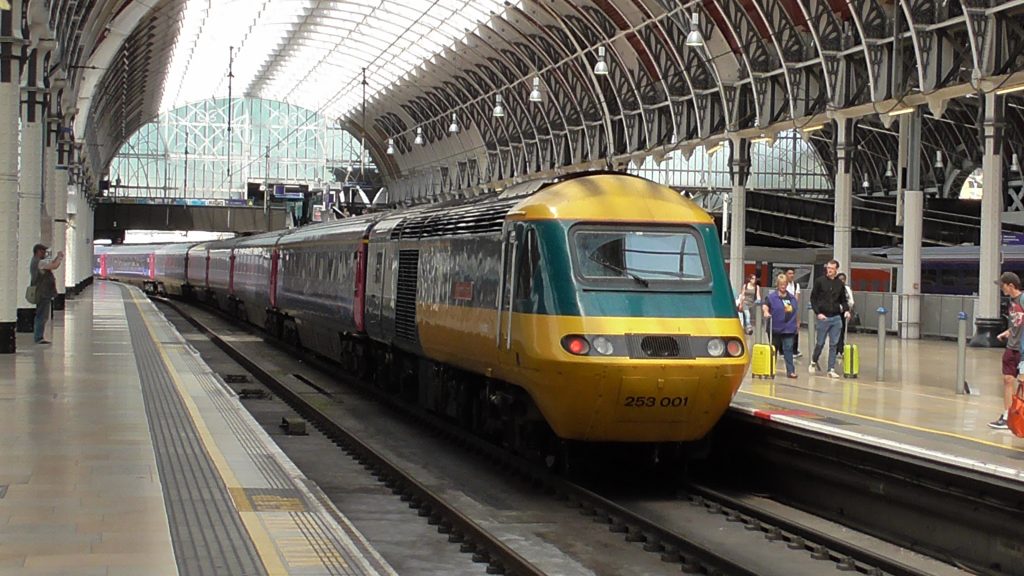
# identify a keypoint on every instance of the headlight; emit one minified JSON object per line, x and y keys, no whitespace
{"x":603,"y":346}
{"x":716,"y":347}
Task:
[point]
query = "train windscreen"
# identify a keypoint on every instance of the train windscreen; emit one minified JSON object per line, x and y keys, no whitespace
{"x":666,"y":257}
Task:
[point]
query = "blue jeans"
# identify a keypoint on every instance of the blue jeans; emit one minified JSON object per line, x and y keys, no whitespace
{"x":786,"y":343}
{"x":831,"y":326}
{"x":42,"y":315}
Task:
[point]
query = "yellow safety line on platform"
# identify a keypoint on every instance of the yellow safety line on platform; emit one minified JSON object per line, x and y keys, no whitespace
{"x":265,"y":546}
{"x":884,"y":421}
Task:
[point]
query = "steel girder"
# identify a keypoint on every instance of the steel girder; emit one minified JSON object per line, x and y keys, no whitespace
{"x":767,"y":65}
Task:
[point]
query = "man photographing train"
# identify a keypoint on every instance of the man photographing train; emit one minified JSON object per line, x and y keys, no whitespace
{"x":828,"y":299}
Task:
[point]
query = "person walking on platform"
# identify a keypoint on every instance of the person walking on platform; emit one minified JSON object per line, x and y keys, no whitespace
{"x":846,"y":318}
{"x":794,"y":289}
{"x":41,"y":275}
{"x":749,"y":293}
{"x":784,"y":310}
{"x":1010,"y":285}
{"x":828,"y":299}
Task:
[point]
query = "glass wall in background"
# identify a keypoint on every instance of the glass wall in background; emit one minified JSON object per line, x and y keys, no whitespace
{"x":190,"y":153}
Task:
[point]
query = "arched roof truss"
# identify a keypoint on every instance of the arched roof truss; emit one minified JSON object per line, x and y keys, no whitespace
{"x":764,"y":66}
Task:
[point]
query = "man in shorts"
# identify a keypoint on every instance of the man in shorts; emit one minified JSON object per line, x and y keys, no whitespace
{"x":1010,"y":285}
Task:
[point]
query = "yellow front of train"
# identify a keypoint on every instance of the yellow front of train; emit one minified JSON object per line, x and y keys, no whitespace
{"x":622,"y":325}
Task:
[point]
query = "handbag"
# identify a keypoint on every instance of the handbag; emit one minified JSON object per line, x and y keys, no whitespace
{"x":1015,"y":415}
{"x":31,"y":294}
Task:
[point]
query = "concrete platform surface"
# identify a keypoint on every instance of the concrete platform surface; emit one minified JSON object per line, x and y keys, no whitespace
{"x":123,"y":453}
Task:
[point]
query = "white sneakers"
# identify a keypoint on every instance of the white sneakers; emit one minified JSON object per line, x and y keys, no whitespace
{"x":813,"y":368}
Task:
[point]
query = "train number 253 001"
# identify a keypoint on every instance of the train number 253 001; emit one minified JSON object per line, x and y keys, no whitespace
{"x":655,"y":401}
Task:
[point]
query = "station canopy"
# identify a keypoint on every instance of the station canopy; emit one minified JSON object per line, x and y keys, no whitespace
{"x":462,"y":96}
{"x":308,"y":52}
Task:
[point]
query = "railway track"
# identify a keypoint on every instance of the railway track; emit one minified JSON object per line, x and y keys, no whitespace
{"x":681,"y":541}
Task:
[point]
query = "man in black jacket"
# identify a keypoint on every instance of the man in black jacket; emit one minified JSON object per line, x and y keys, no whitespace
{"x":828,"y":299}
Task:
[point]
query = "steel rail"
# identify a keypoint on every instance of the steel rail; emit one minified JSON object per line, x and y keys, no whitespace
{"x":673,"y":547}
{"x":693,"y":557}
{"x":776,"y":527}
{"x":460,"y":528}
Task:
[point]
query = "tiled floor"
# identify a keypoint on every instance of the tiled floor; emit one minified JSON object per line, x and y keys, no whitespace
{"x":83,"y":494}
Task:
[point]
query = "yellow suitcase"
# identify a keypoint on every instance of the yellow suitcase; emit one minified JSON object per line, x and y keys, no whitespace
{"x":763,"y":362}
{"x":851,"y":360}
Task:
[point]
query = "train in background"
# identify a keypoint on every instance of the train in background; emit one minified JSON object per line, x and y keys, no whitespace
{"x":945,"y":270}
{"x":592,"y":308}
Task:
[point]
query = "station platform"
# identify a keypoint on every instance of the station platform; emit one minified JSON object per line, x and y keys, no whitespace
{"x":915,"y":410}
{"x":123,"y":454}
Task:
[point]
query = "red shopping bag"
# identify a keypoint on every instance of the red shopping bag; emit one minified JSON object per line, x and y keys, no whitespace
{"x":1015,"y":416}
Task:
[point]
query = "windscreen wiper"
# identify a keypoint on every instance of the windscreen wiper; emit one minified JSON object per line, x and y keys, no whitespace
{"x":643,"y":282}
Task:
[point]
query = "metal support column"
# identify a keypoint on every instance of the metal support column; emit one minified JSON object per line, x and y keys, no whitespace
{"x":70,"y":244}
{"x":988,"y":322}
{"x":60,"y":219}
{"x":79,"y":252}
{"x":739,"y":166}
{"x":30,"y":197}
{"x":9,"y":101}
{"x":913,"y":221}
{"x":49,"y":180}
{"x":88,"y":237}
{"x":843,"y":235}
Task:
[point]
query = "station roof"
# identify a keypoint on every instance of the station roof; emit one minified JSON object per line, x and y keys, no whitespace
{"x":615,"y":81}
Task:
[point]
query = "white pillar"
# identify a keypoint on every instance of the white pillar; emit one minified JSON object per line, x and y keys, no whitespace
{"x":60,"y":221}
{"x":739,"y":165}
{"x":843,"y":233}
{"x":86,"y":245}
{"x":9,"y":127}
{"x":49,"y":188}
{"x":76,"y":238}
{"x":913,"y":220}
{"x":69,"y":243}
{"x":988,"y":322}
{"x":29,"y":202}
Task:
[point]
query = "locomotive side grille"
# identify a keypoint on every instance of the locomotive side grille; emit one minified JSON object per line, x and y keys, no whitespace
{"x":474,"y":219}
{"x":657,"y":346}
{"x":405,"y":297}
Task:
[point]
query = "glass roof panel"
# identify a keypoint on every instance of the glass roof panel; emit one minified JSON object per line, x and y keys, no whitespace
{"x":308,"y":52}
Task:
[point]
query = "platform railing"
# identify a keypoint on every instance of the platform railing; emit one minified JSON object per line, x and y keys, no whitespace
{"x":939,"y":312}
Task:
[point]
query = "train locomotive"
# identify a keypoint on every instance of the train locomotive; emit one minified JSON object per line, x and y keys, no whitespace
{"x":591,"y":308}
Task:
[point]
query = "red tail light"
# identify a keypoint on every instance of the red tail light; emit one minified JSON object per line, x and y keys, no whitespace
{"x":577,"y":345}
{"x":734,"y":348}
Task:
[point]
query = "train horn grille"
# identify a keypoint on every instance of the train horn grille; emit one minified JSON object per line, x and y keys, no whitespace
{"x":657,"y":346}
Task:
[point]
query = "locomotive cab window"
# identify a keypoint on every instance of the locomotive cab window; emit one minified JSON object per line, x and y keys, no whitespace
{"x":615,"y":256}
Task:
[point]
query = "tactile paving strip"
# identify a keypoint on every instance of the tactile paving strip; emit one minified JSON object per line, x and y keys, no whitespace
{"x":206,"y":530}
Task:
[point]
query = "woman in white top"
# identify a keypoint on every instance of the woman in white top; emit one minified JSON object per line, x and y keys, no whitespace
{"x":849,"y":300}
{"x":748,"y":293}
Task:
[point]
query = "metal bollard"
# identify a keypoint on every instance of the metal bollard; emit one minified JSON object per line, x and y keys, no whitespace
{"x":812,"y":321}
{"x":758,"y":322}
{"x":882,"y":326}
{"x":960,"y":386}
